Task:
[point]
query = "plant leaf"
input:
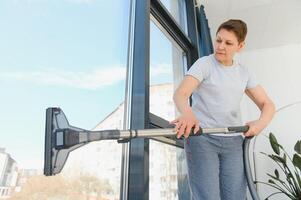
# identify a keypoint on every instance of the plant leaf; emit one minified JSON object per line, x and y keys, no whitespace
{"x":275,"y":178}
{"x":271,"y":181}
{"x":274,"y":143}
{"x":276,"y":173}
{"x":297,"y":161}
{"x":264,"y":153}
{"x":298,"y":147}
{"x":284,"y":157}
{"x":289,"y":176}
{"x":277,"y":159}
{"x":298,"y":179}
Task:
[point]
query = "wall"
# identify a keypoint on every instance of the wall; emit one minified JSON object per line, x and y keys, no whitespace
{"x":272,"y":53}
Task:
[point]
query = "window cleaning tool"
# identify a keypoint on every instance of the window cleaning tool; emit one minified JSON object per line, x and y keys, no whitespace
{"x":62,"y":138}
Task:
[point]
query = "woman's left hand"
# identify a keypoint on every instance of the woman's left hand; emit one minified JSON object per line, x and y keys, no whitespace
{"x":255,"y":127}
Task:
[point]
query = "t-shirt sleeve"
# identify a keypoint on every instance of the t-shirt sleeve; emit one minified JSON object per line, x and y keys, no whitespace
{"x":199,"y":69}
{"x":252,"y":81}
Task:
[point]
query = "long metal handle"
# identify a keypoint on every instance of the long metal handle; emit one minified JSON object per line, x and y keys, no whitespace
{"x":238,"y":129}
{"x":85,"y":135}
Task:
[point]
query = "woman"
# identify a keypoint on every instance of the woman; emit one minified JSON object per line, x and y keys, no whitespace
{"x":217,"y":84}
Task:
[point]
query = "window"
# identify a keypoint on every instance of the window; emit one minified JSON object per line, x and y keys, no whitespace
{"x":177,"y":8}
{"x":70,"y":54}
{"x":167,"y":65}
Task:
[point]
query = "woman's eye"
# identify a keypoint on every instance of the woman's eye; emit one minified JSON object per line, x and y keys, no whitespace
{"x":229,"y":43}
{"x":219,"y":41}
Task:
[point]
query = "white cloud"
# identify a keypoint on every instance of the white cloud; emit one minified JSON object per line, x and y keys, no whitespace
{"x":93,"y":79}
{"x":160,"y":69}
{"x":85,"y":80}
{"x":81,"y":1}
{"x":39,"y":1}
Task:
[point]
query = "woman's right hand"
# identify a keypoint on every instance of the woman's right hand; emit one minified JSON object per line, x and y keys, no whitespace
{"x":184,"y":123}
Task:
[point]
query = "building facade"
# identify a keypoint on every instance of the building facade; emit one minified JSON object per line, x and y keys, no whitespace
{"x":103,"y":158}
{"x":8,"y":174}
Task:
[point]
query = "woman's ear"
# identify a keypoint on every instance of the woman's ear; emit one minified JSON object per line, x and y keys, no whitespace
{"x":241,"y":46}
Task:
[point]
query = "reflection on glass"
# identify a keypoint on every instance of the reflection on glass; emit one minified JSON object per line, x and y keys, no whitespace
{"x":97,"y":173}
{"x":167,"y":63}
{"x":168,"y":176}
{"x":70,"y":54}
{"x":168,"y":180}
{"x":177,"y":8}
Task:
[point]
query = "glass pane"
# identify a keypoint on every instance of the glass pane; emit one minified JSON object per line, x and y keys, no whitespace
{"x":70,"y":54}
{"x":167,"y":66}
{"x":168,"y":171}
{"x":177,"y":8}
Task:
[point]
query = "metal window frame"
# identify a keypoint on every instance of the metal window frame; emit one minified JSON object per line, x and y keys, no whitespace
{"x":189,"y":44}
{"x":135,"y":161}
{"x":135,"y":158}
{"x":158,"y":122}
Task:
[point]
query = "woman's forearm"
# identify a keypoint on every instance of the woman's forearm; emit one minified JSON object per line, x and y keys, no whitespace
{"x":182,"y":103}
{"x":187,"y":120}
{"x":267,"y":113}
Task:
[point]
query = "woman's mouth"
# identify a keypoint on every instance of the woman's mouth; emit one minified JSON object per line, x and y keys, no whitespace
{"x":220,"y":53}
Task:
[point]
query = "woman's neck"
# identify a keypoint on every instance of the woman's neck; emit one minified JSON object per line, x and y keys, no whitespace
{"x":225,"y":62}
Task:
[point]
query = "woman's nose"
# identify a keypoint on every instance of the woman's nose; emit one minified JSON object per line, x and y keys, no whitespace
{"x":221,"y":46}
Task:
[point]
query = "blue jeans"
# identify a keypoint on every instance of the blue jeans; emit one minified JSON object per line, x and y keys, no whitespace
{"x":215,"y":167}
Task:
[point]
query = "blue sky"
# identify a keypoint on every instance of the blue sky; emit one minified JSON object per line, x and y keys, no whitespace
{"x":66,"y":53}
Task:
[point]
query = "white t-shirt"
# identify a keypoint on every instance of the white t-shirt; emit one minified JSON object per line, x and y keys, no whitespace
{"x":216,"y":101}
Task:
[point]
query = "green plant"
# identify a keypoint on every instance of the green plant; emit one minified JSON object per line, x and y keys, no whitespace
{"x":290,"y":184}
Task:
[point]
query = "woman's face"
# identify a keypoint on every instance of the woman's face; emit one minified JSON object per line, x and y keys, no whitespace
{"x":225,"y":46}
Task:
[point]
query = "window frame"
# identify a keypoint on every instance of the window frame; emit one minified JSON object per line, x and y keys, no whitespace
{"x":135,"y":158}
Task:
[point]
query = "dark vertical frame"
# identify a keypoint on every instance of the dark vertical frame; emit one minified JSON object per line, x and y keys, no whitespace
{"x":137,"y":184}
{"x":138,"y":171}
